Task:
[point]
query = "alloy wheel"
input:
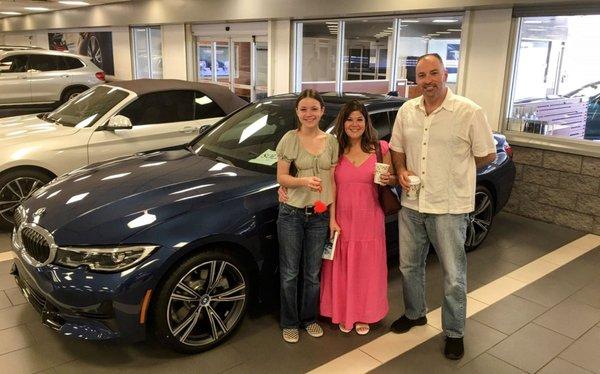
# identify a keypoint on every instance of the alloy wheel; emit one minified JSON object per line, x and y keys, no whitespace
{"x":206,"y":303}
{"x":14,"y":192}
{"x":480,"y":219}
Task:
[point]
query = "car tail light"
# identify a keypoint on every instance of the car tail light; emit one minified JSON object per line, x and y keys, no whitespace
{"x":508,"y":149}
{"x":101,"y":76}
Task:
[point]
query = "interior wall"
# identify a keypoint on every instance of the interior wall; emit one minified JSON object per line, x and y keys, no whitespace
{"x":280,"y":72}
{"x":174,"y":52}
{"x":487,"y":61}
{"x":121,"y":53}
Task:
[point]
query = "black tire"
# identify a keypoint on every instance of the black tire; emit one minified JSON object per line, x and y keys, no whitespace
{"x":16,"y":186}
{"x":480,"y":220}
{"x":186,"y":316}
{"x":70,"y":93}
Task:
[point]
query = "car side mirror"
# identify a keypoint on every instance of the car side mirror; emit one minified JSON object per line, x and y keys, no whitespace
{"x":119,"y":122}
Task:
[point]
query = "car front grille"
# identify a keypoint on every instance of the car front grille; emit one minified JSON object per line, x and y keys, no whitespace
{"x":35,"y":244}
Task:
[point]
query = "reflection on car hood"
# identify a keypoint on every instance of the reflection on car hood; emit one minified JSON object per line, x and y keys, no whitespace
{"x":129,"y":194}
{"x":30,"y":127}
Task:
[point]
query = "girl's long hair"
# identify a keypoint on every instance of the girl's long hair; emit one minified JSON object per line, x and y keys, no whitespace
{"x":368,"y":140}
{"x":307,"y":93}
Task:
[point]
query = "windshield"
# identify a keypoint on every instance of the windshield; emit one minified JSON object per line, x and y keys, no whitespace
{"x":85,"y":109}
{"x":249,"y":137}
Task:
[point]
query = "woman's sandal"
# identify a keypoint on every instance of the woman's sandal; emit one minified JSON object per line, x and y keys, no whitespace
{"x":343,"y":329}
{"x":362,"y":328}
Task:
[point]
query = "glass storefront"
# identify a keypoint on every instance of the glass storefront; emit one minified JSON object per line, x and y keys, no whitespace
{"x":147,"y":52}
{"x":378,"y":54}
{"x":319,"y":55}
{"x":556,"y":78}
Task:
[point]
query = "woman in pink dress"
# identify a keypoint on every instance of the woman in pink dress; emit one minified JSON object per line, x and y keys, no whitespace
{"x":354,"y":283}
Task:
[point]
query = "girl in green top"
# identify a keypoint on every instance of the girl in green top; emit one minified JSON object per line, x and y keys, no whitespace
{"x":302,"y":229}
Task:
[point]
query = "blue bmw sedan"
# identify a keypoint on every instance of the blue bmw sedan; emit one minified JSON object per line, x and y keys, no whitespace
{"x":177,"y":242}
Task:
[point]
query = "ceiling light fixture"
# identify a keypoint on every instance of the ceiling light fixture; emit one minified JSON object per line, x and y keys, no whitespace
{"x":443,"y":32}
{"x":74,"y":2}
{"x":37,"y":9}
{"x":443,"y":20}
{"x":454,"y":30}
{"x":10,"y":13}
{"x":409,"y":21}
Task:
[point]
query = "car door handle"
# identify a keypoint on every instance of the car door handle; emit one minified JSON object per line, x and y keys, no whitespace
{"x":188,"y":129}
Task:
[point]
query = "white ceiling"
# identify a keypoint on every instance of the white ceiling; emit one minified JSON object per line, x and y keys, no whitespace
{"x":52,"y":5}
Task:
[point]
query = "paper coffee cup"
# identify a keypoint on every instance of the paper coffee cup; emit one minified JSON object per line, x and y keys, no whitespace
{"x":414,"y":187}
{"x":380,"y":168}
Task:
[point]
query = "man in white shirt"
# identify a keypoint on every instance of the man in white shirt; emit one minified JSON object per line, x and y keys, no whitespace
{"x":442,"y":138}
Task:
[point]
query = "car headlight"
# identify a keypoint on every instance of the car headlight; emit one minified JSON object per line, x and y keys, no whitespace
{"x":103,"y":259}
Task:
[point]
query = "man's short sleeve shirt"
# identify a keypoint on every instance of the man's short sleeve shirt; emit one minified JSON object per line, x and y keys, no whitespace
{"x":441,"y":148}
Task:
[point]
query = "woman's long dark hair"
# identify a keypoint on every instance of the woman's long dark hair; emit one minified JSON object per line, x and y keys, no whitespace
{"x":307,"y":93}
{"x":368,"y":140}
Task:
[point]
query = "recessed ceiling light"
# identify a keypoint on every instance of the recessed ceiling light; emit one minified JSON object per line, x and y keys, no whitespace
{"x":409,"y":20}
{"x":11,"y":13}
{"x":454,"y":30}
{"x":443,"y":20}
{"x":443,"y":32}
{"x":74,"y":2}
{"x":37,"y":9}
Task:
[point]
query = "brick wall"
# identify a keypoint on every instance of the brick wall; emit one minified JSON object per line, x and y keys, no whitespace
{"x":557,"y":187}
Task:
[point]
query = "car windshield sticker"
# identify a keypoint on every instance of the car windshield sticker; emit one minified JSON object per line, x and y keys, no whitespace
{"x":268,"y":158}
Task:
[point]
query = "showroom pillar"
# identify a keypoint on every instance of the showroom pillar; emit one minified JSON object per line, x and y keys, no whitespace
{"x":174,"y":52}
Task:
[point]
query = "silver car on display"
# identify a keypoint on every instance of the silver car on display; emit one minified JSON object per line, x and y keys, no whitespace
{"x":37,"y":76}
{"x":107,"y":121}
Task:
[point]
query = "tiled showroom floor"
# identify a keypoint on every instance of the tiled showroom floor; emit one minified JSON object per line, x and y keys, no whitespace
{"x":542,"y":317}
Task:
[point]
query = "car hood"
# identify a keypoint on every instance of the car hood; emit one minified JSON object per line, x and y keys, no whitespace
{"x":30,"y":127}
{"x":118,"y":198}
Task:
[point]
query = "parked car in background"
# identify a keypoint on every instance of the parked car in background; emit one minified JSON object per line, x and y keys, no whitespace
{"x":107,"y":121}
{"x":591,"y":92}
{"x":36,"y":76}
{"x":177,"y":242}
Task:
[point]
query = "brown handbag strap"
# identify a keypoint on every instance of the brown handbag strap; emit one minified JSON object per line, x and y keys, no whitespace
{"x":379,"y":159}
{"x":378,"y":152}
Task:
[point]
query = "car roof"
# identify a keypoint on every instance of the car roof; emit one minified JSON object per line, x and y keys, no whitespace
{"x":371,"y":101}
{"x":5,"y":47}
{"x":226,"y":99}
{"x":42,"y":52}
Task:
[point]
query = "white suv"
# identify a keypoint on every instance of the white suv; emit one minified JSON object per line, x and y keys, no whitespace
{"x":41,"y":77}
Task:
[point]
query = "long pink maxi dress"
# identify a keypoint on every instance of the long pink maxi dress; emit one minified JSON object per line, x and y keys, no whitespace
{"x":354,"y":283}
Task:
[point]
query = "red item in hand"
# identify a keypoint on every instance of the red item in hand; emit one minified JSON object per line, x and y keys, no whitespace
{"x":320,"y":207}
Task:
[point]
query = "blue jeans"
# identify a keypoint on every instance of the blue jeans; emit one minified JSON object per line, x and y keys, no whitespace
{"x":447,"y":233}
{"x":301,"y":237}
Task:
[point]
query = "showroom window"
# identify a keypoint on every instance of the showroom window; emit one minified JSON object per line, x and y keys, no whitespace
{"x":375,"y":55}
{"x":147,"y":52}
{"x":555,"y":86}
